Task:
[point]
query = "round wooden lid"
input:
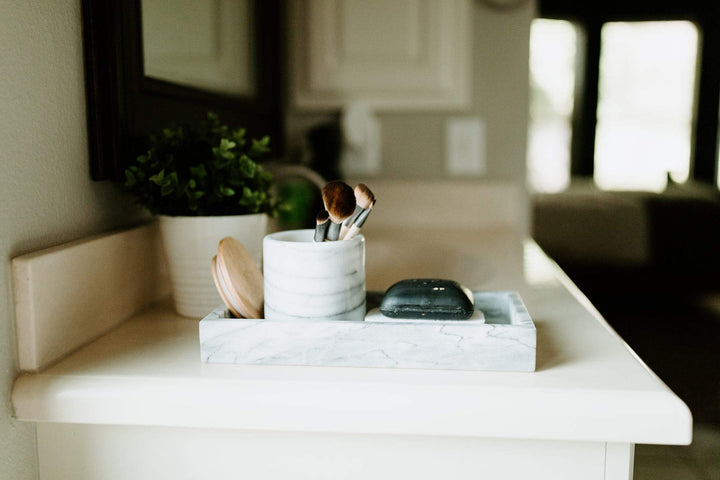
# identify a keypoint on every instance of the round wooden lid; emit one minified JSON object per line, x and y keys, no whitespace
{"x":239,"y":279}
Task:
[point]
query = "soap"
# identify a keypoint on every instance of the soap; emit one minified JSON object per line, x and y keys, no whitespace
{"x":431,"y":298}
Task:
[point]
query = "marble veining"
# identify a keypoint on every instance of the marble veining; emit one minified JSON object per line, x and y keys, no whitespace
{"x":505,"y":341}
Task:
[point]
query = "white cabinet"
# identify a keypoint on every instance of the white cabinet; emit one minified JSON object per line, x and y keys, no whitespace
{"x":137,"y":403}
{"x":393,"y":55}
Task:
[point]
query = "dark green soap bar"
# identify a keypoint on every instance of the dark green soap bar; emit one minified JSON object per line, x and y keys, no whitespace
{"x":427,"y":298}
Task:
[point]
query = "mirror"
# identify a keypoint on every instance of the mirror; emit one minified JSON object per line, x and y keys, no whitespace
{"x":150,"y":63}
{"x":204,"y":44}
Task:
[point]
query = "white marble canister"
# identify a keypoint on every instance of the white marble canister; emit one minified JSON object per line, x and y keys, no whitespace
{"x":307,"y":280}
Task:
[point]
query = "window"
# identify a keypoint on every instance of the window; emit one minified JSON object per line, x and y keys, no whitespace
{"x":552,"y":83}
{"x":645,"y":104}
{"x":644,"y":84}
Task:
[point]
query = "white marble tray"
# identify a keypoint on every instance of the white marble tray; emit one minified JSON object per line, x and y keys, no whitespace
{"x":505,"y":341}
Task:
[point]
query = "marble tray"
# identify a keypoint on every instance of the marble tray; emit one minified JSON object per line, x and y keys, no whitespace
{"x":504,"y":341}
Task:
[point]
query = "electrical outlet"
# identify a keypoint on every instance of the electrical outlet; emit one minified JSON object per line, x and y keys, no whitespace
{"x":465,"y":146}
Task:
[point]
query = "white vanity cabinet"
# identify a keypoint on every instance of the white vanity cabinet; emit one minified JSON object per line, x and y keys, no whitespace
{"x":138,"y":402}
{"x":409,"y":55}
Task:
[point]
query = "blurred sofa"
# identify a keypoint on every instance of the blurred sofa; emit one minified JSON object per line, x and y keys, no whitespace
{"x":610,"y":242}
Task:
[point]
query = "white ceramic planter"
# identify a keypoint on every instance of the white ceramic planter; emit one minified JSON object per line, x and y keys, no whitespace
{"x":190,"y":244}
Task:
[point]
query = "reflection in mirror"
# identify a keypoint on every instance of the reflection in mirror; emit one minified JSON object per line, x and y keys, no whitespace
{"x":204,"y":44}
{"x":125,"y":104}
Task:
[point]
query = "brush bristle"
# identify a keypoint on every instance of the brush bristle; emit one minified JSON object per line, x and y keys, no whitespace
{"x":322,"y":216}
{"x":363,"y":195}
{"x":339,"y":200}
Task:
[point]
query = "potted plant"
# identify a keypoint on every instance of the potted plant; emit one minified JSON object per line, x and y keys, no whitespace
{"x":204,"y":183}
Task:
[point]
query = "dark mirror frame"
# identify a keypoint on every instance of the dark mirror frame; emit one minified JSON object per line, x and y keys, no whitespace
{"x":123,"y":105}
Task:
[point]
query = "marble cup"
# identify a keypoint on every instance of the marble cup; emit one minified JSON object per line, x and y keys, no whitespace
{"x":313,"y":281}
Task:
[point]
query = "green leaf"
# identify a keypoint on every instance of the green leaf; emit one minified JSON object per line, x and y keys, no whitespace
{"x":260,"y":146}
{"x":158,"y":178}
{"x":199,"y":171}
{"x":226,"y":144}
{"x":130,"y":180}
{"x":247,"y":166}
{"x":226,"y":154}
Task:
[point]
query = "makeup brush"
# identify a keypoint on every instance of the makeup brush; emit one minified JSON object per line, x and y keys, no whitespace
{"x":339,"y":200}
{"x":355,"y":228}
{"x":321,"y":225}
{"x":363,"y":198}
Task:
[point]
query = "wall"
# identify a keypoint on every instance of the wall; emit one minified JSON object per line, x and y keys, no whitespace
{"x":413,"y":144}
{"x":46,"y":195}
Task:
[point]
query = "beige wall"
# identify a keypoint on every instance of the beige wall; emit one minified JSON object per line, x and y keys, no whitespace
{"x":413,"y":144}
{"x":46,"y":195}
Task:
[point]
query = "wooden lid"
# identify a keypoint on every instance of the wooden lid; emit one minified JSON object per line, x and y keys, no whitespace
{"x":221,"y":289}
{"x":238,"y":279}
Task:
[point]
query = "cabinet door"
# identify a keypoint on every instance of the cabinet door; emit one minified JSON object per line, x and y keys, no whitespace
{"x":397,"y":55}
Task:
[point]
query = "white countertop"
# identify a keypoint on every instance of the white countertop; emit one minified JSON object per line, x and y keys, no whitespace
{"x":588,"y":384}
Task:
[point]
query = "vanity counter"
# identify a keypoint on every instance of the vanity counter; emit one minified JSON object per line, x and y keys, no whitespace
{"x":588,"y":385}
{"x":589,"y":390}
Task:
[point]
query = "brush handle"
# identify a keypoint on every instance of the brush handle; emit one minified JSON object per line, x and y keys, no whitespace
{"x":355,"y":228}
{"x":333,"y":231}
{"x":321,"y":231}
{"x":349,"y":221}
{"x":352,"y":231}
